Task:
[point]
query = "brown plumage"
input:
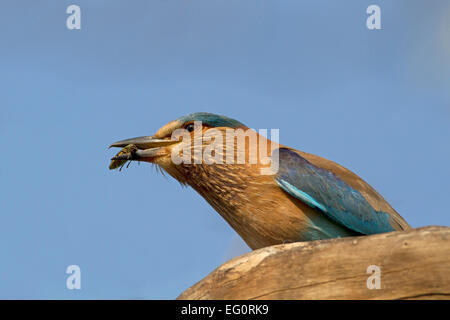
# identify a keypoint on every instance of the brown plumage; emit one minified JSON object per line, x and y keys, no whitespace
{"x":254,"y":204}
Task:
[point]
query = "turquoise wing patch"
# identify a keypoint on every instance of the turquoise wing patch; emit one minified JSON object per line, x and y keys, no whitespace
{"x":326,"y":192}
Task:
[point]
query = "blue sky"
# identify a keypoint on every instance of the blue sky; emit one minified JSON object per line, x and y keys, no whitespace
{"x":377,"y":102}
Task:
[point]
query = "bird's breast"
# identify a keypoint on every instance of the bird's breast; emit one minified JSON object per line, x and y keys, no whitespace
{"x":253,"y":204}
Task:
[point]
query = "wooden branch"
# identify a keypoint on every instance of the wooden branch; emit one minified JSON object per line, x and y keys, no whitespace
{"x":412,"y":265}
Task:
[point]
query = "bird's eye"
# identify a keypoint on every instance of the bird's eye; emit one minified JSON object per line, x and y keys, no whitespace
{"x":190,"y":127}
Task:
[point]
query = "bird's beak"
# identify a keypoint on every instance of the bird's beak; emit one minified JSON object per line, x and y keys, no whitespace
{"x":147,"y":147}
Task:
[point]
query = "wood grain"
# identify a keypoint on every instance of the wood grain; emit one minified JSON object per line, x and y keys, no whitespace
{"x":414,"y":264}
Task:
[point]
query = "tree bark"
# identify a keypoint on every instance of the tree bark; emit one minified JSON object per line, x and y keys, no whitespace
{"x":411,"y":264}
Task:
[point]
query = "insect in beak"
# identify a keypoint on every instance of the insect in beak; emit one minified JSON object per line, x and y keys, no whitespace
{"x":123,"y":156}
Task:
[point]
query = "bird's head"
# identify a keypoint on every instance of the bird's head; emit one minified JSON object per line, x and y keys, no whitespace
{"x":175,"y":143}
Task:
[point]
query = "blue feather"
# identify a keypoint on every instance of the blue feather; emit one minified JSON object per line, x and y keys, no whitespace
{"x":323,"y":190}
{"x":293,"y":191}
{"x":213,"y":120}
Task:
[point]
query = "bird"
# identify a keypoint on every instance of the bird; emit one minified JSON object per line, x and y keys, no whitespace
{"x":300,"y":196}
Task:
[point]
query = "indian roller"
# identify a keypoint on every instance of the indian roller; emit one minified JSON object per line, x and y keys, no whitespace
{"x":305,"y":198}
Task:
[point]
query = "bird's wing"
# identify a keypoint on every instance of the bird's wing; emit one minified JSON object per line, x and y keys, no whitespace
{"x":323,"y":190}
